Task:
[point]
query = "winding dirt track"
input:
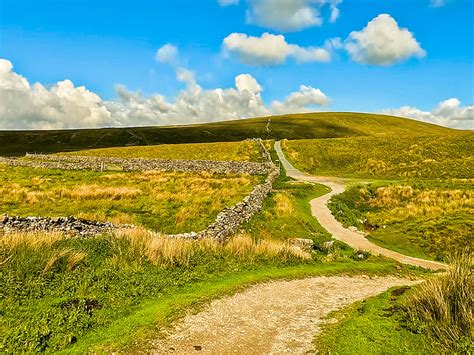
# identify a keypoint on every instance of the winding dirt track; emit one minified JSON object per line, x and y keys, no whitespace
{"x":275,"y":317}
{"x":283,"y":316}
{"x":354,"y":239}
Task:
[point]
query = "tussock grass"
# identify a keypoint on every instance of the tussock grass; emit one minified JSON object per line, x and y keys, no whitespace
{"x":164,"y":201}
{"x":284,"y":205}
{"x":424,"y":219}
{"x":233,"y":151}
{"x":443,"y":305}
{"x":178,"y":252}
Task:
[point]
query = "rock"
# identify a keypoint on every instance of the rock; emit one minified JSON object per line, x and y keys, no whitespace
{"x":352,"y":228}
{"x":302,"y":243}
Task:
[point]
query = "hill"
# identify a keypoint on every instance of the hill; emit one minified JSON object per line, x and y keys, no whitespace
{"x":294,"y":126}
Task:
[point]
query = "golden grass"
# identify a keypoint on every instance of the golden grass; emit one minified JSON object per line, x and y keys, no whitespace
{"x":407,"y":202}
{"x":284,"y":206}
{"x":164,"y":251}
{"x":231,"y":151}
{"x":33,"y":240}
{"x":164,"y":201}
{"x":444,"y":305}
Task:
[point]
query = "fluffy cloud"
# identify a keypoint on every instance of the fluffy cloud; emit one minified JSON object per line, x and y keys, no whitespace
{"x":227,"y":2}
{"x":167,"y":54}
{"x":294,"y":15}
{"x":448,"y":113}
{"x":25,"y":106}
{"x":270,"y":49}
{"x":33,"y":106}
{"x":437,"y":3}
{"x":303,"y":100}
{"x":382,"y":42}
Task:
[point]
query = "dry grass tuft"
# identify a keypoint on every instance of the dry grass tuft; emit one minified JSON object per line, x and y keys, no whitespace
{"x":169,"y":252}
{"x":444,"y":305}
{"x":33,"y":240}
{"x":284,"y":206}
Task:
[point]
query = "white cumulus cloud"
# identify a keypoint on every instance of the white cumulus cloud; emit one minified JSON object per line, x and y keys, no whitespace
{"x":34,"y":106}
{"x":448,"y":113}
{"x":270,"y":49}
{"x":63,"y":105}
{"x":167,"y":54}
{"x":383,"y":42}
{"x":303,"y":100}
{"x":289,"y":15}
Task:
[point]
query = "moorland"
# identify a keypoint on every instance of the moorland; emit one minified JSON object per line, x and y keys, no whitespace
{"x":409,"y":187}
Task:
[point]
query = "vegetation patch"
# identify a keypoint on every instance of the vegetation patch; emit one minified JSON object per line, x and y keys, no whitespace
{"x":163,"y":201}
{"x":376,"y":325}
{"x":423,"y":219}
{"x":387,"y":156}
{"x":231,"y":151}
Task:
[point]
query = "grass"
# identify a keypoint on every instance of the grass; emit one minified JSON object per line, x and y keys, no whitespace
{"x":162,"y":201}
{"x":295,"y":126}
{"x":374,"y":326}
{"x":113,"y":292}
{"x":234,"y":151}
{"x":420,"y":218}
{"x":433,"y":317}
{"x":390,"y":156}
{"x":443,"y":306}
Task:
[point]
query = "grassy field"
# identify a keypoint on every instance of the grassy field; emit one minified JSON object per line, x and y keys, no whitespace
{"x":419,"y":218}
{"x":111,"y":292}
{"x":295,"y":126}
{"x":162,"y":201}
{"x":233,"y":151}
{"x":390,"y":156}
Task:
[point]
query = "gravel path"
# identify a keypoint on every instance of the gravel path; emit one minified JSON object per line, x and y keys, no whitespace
{"x":275,"y":317}
{"x":355,"y":239}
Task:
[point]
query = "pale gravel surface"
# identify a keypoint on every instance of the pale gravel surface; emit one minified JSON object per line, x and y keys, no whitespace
{"x":355,"y":239}
{"x":275,"y":317}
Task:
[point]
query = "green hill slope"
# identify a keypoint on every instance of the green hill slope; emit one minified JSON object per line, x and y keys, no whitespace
{"x":295,"y":126}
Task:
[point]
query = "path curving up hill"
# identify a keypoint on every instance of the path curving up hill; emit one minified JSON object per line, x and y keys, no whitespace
{"x":324,"y":216}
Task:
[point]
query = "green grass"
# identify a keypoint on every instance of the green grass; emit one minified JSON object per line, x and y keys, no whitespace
{"x":106,"y":293}
{"x":390,"y":156}
{"x":295,"y":126}
{"x":420,"y":218}
{"x":162,"y":201}
{"x":374,"y":326}
{"x":234,"y":151}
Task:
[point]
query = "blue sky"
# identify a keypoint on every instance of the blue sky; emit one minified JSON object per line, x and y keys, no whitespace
{"x":99,"y":44}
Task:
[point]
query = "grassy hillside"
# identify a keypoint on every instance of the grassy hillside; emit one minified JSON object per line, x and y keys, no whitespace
{"x":296,"y":126}
{"x":390,"y":156}
{"x":424,"y":219}
{"x":234,"y":151}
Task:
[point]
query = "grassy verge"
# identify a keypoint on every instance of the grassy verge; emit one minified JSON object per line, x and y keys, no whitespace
{"x":373,"y":326}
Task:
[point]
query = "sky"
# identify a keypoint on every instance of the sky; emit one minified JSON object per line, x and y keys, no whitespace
{"x":102,"y":63}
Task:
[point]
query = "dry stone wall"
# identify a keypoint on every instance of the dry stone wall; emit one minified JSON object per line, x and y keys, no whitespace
{"x":228,"y":221}
{"x":137,"y":164}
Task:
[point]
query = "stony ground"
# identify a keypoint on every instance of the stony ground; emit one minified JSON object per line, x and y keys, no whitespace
{"x":276,"y":317}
